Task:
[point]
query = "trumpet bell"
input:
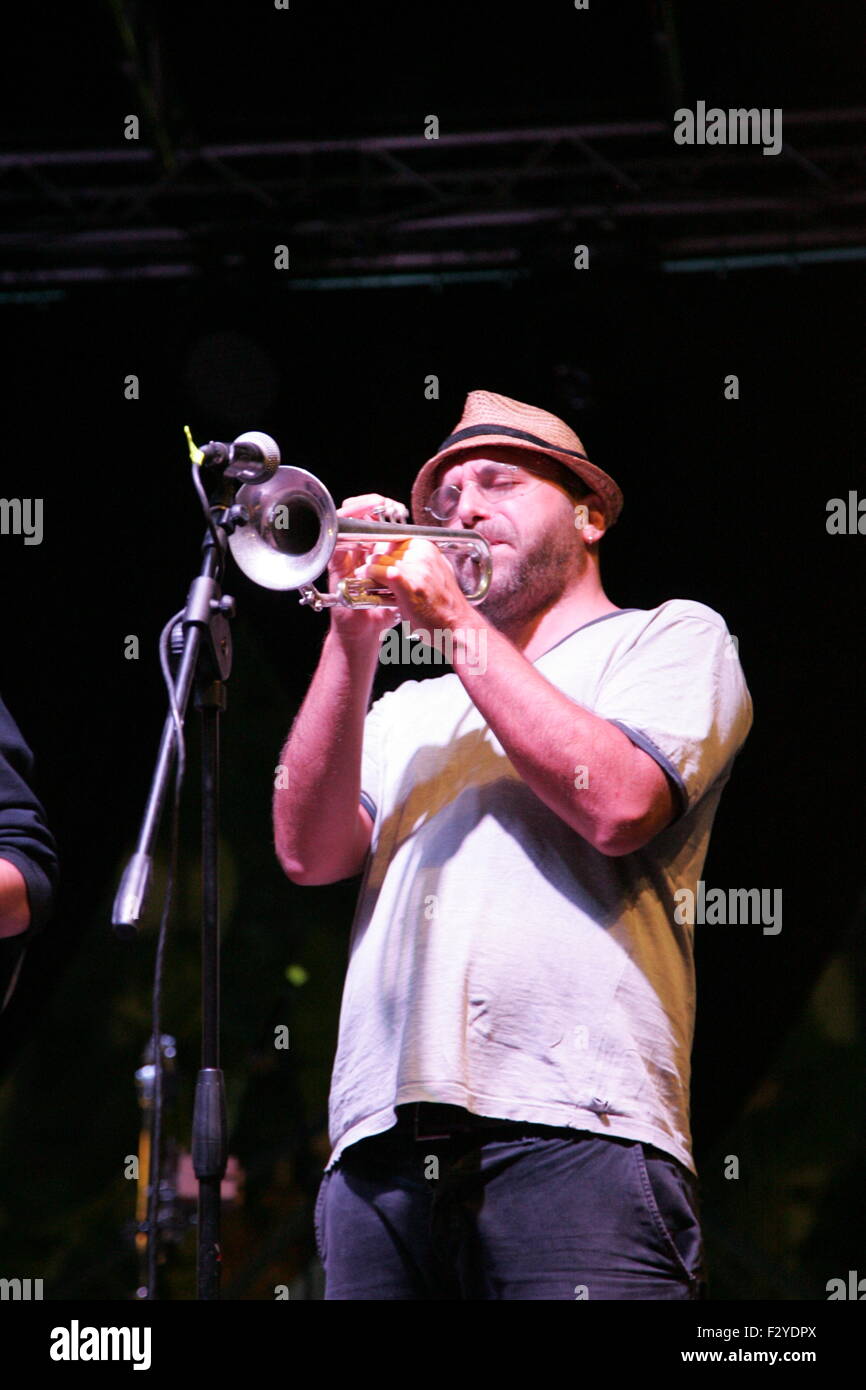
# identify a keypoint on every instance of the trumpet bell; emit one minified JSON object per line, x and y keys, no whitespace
{"x":291,"y":532}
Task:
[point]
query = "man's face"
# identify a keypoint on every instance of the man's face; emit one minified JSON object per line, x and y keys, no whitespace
{"x":536,"y":549}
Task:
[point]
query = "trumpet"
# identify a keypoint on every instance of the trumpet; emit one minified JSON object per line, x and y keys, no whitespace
{"x":291,"y":530}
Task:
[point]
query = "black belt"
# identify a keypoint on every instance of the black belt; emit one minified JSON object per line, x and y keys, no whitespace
{"x":433,"y":1120}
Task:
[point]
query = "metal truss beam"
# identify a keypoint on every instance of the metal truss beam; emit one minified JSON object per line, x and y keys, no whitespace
{"x":530,"y":193}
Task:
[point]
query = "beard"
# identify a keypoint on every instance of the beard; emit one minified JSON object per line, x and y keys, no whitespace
{"x":527,"y":582}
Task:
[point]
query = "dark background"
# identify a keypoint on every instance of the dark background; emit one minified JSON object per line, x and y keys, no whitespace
{"x":725,"y":503}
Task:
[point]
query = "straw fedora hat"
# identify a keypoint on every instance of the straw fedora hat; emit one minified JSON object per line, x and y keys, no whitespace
{"x":491,"y":419}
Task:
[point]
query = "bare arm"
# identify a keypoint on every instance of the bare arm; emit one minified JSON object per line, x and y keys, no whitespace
{"x":626,"y":798}
{"x":321,"y":832}
{"x":624,"y":801}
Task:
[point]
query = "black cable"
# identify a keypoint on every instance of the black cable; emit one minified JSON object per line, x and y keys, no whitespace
{"x":159,"y":961}
{"x":206,"y":508}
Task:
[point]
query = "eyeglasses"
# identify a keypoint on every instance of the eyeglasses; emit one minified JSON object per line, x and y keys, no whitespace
{"x":497,"y":482}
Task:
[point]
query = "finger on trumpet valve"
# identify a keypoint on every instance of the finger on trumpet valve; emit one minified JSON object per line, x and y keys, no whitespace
{"x":391,"y":511}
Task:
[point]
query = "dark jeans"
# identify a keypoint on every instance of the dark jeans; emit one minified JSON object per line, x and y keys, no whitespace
{"x":510,"y":1212}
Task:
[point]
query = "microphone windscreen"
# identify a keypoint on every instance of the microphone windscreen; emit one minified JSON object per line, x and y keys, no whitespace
{"x":255,"y":457}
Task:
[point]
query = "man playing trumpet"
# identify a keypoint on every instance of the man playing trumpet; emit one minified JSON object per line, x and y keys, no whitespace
{"x":509,"y":1107}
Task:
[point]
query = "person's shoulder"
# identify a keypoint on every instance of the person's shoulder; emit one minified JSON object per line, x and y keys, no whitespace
{"x":8,"y":727}
{"x":676,"y":611}
{"x":14,"y":749}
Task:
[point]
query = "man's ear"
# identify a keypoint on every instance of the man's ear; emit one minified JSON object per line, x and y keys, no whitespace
{"x":589,"y":518}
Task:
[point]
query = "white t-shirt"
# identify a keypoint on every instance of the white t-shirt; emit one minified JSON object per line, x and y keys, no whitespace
{"x":498,"y":961}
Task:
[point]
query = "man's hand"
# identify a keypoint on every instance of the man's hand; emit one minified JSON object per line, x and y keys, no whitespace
{"x":361,"y":625}
{"x":14,"y":903}
{"x":423,"y":583}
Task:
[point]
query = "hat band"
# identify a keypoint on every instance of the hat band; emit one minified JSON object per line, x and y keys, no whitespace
{"x":473,"y":430}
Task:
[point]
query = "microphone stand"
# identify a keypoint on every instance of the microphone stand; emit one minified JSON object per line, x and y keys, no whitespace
{"x":205,"y":663}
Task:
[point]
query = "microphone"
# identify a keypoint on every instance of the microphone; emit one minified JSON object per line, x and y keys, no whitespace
{"x":252,"y":458}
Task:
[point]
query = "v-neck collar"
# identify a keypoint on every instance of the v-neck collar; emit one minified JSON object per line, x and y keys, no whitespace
{"x":603,"y":618}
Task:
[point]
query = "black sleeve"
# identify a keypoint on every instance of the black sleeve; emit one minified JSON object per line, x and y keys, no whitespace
{"x":25,"y":839}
